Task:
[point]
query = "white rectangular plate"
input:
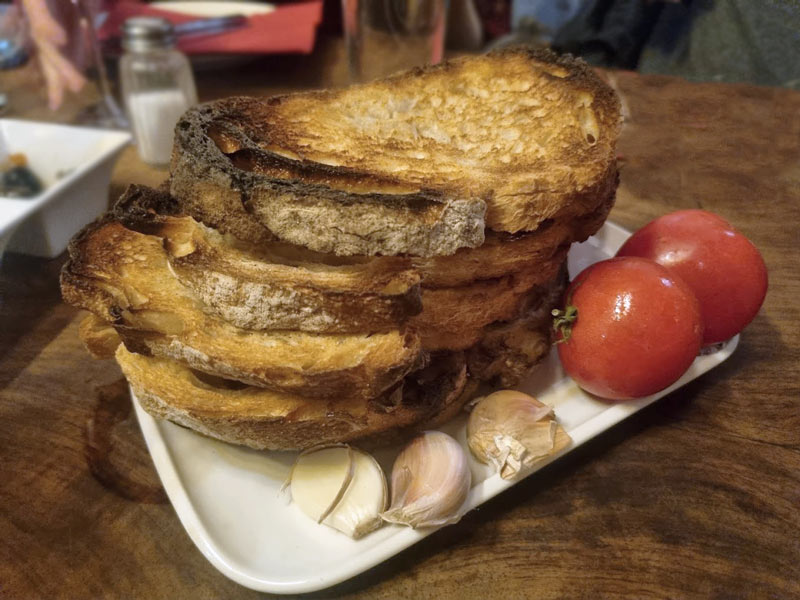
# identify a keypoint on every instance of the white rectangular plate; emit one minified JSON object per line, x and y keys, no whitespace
{"x":229,"y":500}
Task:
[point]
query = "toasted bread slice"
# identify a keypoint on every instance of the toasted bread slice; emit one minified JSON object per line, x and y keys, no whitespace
{"x":275,"y":285}
{"x":269,"y":420}
{"x":98,"y":336}
{"x":281,"y":286}
{"x":506,"y":352}
{"x":230,"y":188}
{"x":156,"y":213}
{"x":454,"y":318}
{"x":405,"y":165}
{"x":463,"y":328}
{"x":124,"y":277}
{"x":504,"y":254}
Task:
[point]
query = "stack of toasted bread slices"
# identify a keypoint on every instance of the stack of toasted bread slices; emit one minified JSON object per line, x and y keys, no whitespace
{"x":348,"y":265}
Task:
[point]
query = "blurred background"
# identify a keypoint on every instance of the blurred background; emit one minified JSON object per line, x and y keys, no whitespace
{"x":135,"y":66}
{"x":59,"y":59}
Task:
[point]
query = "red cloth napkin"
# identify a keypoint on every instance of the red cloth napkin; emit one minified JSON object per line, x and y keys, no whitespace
{"x":289,"y":28}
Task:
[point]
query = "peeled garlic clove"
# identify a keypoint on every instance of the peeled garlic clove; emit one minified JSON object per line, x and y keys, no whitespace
{"x":430,"y":482}
{"x":341,"y":487}
{"x":512,"y":431}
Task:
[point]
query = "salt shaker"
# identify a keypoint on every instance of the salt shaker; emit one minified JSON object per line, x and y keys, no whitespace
{"x":157,"y":85}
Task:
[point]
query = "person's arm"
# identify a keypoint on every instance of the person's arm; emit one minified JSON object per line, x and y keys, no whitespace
{"x":48,"y":36}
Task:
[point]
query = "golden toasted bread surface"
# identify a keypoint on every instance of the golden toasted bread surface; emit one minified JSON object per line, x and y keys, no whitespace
{"x":275,"y":285}
{"x":124,"y":277}
{"x":408,"y":164}
{"x":504,"y":254}
{"x":265,"y":419}
{"x":98,"y":336}
{"x":282,"y":286}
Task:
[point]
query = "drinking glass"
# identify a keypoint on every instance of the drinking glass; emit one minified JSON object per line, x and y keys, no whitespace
{"x":384,"y":36}
{"x":80,"y":50}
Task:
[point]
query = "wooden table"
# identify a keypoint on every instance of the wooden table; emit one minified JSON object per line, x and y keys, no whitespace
{"x":697,"y":496}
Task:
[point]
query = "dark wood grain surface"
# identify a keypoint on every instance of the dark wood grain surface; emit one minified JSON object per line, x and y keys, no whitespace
{"x":697,"y":496}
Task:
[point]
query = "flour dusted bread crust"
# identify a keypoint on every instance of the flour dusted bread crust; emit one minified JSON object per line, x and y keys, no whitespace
{"x":418,"y":163}
{"x":227,"y":187}
{"x":275,"y":285}
{"x":124,"y":277}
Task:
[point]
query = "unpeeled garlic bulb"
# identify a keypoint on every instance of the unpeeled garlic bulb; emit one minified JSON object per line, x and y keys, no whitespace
{"x":430,"y":482}
{"x":512,"y":431}
{"x":341,"y":487}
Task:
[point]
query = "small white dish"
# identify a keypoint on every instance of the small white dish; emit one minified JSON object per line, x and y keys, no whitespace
{"x":229,"y":500}
{"x":74,"y":165}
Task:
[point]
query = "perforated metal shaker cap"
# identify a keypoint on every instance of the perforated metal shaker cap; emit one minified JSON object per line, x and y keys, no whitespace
{"x":147,"y":33}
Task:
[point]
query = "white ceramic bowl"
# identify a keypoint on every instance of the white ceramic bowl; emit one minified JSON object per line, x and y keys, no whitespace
{"x":74,"y":164}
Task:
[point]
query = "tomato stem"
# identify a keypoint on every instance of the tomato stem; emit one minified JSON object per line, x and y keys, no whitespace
{"x":563,"y":321}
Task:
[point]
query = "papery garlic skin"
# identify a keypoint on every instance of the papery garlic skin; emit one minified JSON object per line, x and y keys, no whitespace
{"x":511,"y":430}
{"x":341,"y":487}
{"x":430,"y":482}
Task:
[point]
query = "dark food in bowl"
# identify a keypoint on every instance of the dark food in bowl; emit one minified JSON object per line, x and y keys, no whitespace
{"x":17,"y":180}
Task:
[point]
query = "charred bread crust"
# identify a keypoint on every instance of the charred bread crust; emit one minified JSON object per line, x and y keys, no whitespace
{"x":266,"y":420}
{"x":317,"y":169}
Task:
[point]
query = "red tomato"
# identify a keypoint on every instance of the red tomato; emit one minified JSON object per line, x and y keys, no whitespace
{"x":721,"y":265}
{"x":637,"y":329}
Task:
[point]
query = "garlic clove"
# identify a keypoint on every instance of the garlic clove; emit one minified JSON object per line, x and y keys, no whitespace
{"x":318,"y":479}
{"x":366,"y":497}
{"x":341,"y":487}
{"x":430,"y":482}
{"x":513,"y":431}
